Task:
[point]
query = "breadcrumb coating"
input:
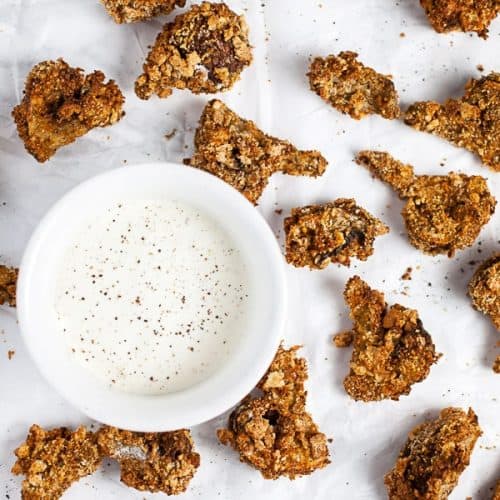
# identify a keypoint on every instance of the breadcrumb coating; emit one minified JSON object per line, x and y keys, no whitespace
{"x":156,"y":462}
{"x":317,"y":235}
{"x":496,"y":365}
{"x":461,"y":15}
{"x":472,"y":122}
{"x":496,"y":493}
{"x":8,"y":284}
{"x":443,"y":213}
{"x":436,"y":453}
{"x":353,"y":88}
{"x":61,"y":104}
{"x":203,"y":50}
{"x":53,"y":460}
{"x":343,"y":339}
{"x":392,"y":350}
{"x":484,"y":289}
{"x":274,"y":433}
{"x":130,"y":11}
{"x":239,"y":153}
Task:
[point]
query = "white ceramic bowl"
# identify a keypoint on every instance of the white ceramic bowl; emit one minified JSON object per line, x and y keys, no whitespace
{"x":233,"y":380}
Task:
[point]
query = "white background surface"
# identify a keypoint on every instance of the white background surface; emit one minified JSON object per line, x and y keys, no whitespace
{"x":274,"y":92}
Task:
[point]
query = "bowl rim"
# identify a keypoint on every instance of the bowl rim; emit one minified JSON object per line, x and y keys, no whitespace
{"x":149,"y":421}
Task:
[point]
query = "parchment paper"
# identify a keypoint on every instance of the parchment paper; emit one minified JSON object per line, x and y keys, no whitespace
{"x":391,"y":36}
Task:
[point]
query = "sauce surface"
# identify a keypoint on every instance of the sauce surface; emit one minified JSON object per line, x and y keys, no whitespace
{"x":151,"y":295}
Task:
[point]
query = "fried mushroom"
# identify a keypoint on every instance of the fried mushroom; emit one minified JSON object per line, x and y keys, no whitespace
{"x":156,"y":462}
{"x":392,"y":350}
{"x":472,"y":122}
{"x":435,"y":455}
{"x":353,"y":88}
{"x":318,"y":235}
{"x":443,"y":213}
{"x":53,"y":460}
{"x":239,"y":153}
{"x":461,"y":15}
{"x":130,"y":11}
{"x":274,"y":433}
{"x":203,"y":50}
{"x":484,"y":289}
{"x":61,"y":104}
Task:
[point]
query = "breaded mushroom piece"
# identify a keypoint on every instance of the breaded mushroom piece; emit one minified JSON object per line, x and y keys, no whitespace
{"x":131,"y":11}
{"x":472,"y":122}
{"x":436,"y":453}
{"x":317,"y":235}
{"x":8,"y":284}
{"x":61,"y":104}
{"x":203,"y":50}
{"x":443,"y":213}
{"x":353,"y":88}
{"x":53,"y":460}
{"x":461,"y":15}
{"x":392,"y":350}
{"x":156,"y":462}
{"x":484,"y":289}
{"x":274,"y":433}
{"x":239,"y":153}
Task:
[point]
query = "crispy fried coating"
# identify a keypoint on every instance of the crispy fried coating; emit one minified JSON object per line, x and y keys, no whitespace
{"x":496,"y":365}
{"x":353,"y":88}
{"x":461,"y":15}
{"x":61,"y":104}
{"x":496,"y":493}
{"x":317,"y":235}
{"x":130,"y":11}
{"x":392,"y":350}
{"x":484,"y":289}
{"x":472,"y":122}
{"x":436,"y":453}
{"x":157,"y":462}
{"x":443,"y":213}
{"x":53,"y":460}
{"x":239,"y":153}
{"x":203,"y":50}
{"x":274,"y":433}
{"x":343,"y":339}
{"x":8,"y":284}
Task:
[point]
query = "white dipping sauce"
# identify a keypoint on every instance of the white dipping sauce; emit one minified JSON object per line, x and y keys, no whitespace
{"x":151,"y":296}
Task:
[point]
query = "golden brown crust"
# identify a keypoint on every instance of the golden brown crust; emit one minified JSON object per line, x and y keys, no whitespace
{"x":8,"y":284}
{"x":471,"y":122}
{"x":53,"y":460}
{"x":343,"y":339}
{"x":461,"y":15}
{"x":239,"y":153}
{"x":484,"y":289}
{"x":496,"y":365}
{"x":392,"y":350}
{"x":163,"y":461}
{"x":274,"y":433}
{"x":203,"y":50}
{"x":60,"y":104}
{"x":353,"y":88}
{"x":130,"y":11}
{"x":317,"y":235}
{"x":436,"y":453}
{"x":443,"y":213}
{"x":496,"y":493}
